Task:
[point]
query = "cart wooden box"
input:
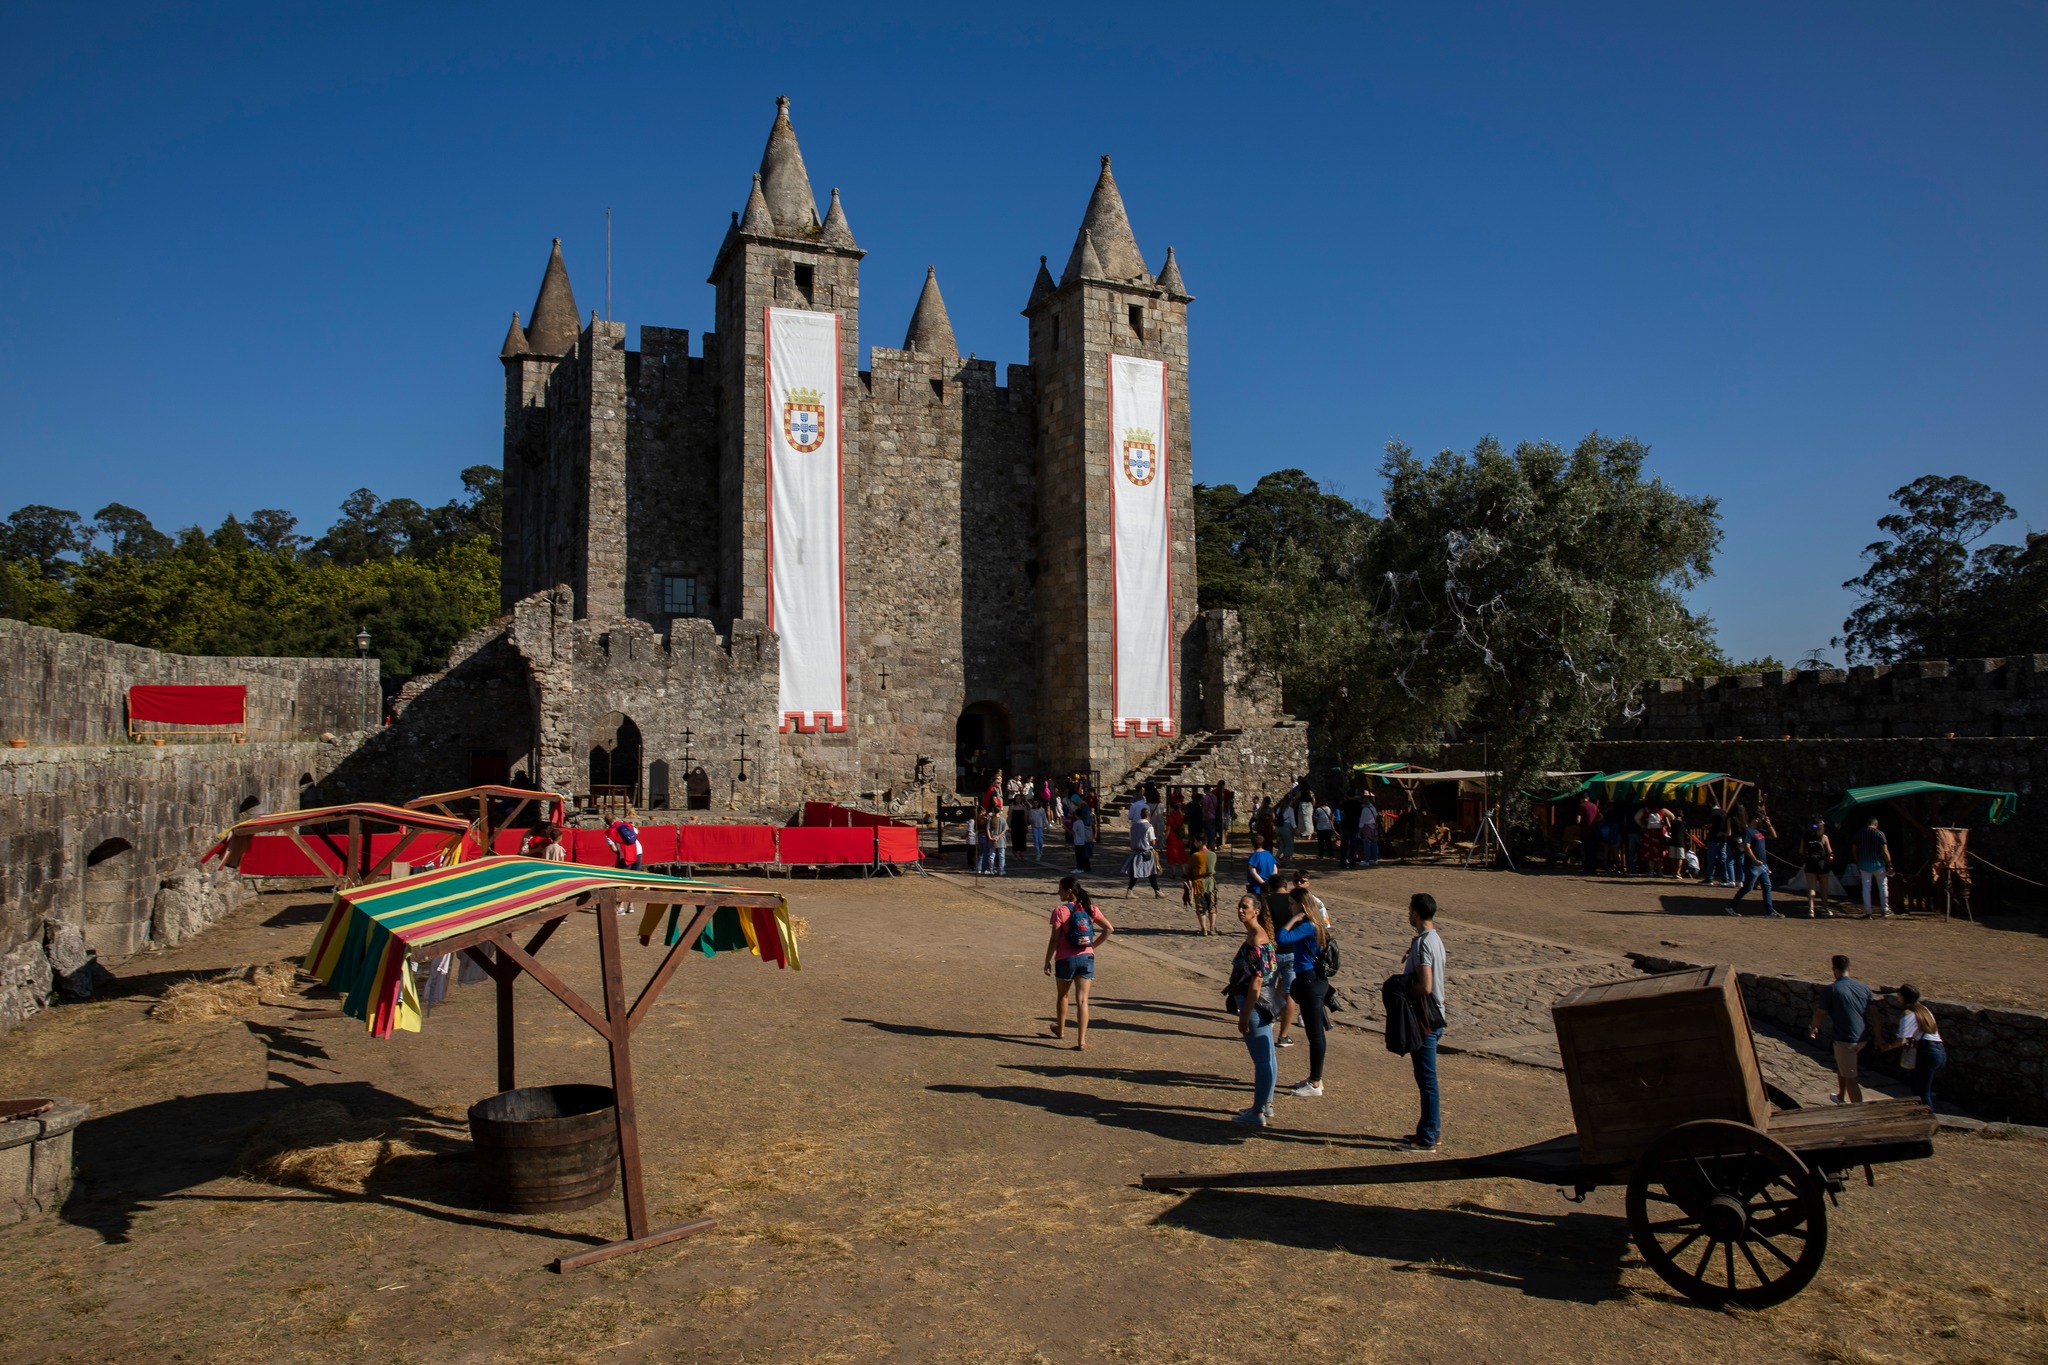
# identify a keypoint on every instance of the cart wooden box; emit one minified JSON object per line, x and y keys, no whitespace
{"x":1644,"y":1055}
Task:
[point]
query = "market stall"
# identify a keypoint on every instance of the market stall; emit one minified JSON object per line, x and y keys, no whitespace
{"x":352,"y":844}
{"x":1930,"y":834}
{"x":499,"y":912}
{"x":493,"y":810}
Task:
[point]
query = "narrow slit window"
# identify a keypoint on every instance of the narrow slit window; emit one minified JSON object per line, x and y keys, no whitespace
{"x":1138,"y":321}
{"x":1055,"y":334}
{"x":806,"y":276}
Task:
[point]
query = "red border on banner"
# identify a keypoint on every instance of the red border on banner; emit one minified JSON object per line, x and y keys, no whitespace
{"x":835,"y":721}
{"x":1124,"y":727}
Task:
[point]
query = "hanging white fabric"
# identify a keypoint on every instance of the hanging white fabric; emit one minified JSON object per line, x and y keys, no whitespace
{"x":1140,"y":534}
{"x":806,"y":557}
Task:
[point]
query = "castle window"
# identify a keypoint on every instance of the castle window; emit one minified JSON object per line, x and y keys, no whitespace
{"x":806,"y":276}
{"x":678,"y":595}
{"x":1138,"y":321}
{"x":1055,"y":334}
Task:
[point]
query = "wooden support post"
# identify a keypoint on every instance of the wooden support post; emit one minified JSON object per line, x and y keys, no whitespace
{"x":507,"y":977}
{"x":621,"y":1044}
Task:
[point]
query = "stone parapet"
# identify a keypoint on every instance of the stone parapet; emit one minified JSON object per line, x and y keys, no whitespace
{"x":35,"y":1160}
{"x":1927,"y":698}
{"x":1997,"y":1056}
{"x":61,"y":688}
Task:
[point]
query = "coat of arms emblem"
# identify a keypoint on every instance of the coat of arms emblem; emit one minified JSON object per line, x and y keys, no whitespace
{"x":803,"y":420}
{"x":1141,"y":456}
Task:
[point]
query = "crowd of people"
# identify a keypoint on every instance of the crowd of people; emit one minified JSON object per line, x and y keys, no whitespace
{"x":1731,"y":849}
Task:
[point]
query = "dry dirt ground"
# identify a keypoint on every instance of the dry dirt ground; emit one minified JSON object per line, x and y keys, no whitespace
{"x":906,"y":1168}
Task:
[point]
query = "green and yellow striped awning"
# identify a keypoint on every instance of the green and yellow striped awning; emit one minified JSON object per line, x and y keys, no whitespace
{"x":1667,"y":783}
{"x":363,"y":947}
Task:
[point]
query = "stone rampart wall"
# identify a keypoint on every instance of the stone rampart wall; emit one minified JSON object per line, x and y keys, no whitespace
{"x":1966,"y":697}
{"x":60,"y":688}
{"x":1260,"y":761}
{"x":1997,"y":1057}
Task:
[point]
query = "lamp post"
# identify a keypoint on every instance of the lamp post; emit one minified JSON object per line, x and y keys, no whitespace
{"x":363,"y":652}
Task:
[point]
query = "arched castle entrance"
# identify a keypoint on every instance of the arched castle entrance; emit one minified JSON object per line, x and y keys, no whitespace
{"x":615,"y":755}
{"x":981,"y":744}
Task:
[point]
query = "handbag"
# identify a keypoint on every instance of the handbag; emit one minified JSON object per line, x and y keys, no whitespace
{"x":1910,"y":1057}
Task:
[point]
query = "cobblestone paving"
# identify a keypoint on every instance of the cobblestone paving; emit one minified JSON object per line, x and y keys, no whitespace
{"x":1502,"y":985}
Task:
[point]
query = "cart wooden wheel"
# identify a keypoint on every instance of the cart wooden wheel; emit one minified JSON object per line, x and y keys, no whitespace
{"x":1726,"y":1214}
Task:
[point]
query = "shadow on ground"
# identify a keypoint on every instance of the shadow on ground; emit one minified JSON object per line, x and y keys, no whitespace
{"x":1573,"y":1257}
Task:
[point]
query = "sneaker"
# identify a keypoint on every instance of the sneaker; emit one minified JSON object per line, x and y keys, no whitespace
{"x":1412,"y":1143}
{"x":1731,"y":910}
{"x":1837,"y":1099}
{"x":1827,"y":914}
{"x":1249,"y":1116}
{"x":1285,"y":1042}
{"x":1307,"y":1090}
{"x":1772,"y":914}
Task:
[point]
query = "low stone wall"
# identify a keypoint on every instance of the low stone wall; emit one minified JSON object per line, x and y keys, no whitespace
{"x":60,"y":688}
{"x":1933,"y":697}
{"x":100,"y":847}
{"x":1997,"y":1057}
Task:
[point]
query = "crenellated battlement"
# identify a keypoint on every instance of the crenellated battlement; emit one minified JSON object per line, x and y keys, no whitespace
{"x":1927,"y":698}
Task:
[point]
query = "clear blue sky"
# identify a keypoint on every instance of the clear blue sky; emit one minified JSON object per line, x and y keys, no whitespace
{"x":259,"y":256}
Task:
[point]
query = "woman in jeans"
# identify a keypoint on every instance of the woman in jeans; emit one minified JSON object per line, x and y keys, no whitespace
{"x":1917,"y":1030}
{"x":1251,"y":971}
{"x":1304,"y":936}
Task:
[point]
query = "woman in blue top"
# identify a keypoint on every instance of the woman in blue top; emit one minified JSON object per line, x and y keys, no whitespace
{"x":1252,"y":972}
{"x":1304,"y":937}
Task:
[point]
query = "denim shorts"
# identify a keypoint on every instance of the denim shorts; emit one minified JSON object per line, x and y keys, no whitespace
{"x":1285,"y":985}
{"x":1079,"y":967}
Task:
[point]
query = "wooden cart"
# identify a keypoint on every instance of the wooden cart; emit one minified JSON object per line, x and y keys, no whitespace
{"x":1726,"y":1195}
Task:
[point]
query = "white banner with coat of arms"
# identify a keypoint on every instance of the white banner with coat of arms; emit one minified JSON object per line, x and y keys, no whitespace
{"x":1140,"y":531}
{"x":806,"y":553}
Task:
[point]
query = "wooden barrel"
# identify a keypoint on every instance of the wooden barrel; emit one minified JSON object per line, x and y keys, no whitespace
{"x":546,"y":1148}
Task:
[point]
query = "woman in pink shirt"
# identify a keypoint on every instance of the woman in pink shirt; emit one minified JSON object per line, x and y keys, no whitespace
{"x":1078,"y":929}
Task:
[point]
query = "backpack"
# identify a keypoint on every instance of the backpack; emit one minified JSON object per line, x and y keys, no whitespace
{"x":1328,"y":963}
{"x":1080,"y":928}
{"x":628,"y":834}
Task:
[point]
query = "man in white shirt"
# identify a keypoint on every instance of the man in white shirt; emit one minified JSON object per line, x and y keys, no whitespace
{"x":1424,"y":965}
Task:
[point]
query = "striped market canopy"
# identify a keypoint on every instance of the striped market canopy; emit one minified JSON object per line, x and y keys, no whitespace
{"x":2004,"y":805}
{"x":365,"y":946}
{"x":1663,"y":782}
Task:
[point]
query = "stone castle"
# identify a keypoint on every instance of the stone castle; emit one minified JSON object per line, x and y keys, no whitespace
{"x":975,"y":520}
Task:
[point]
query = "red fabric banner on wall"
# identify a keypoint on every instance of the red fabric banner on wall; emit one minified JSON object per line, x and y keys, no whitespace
{"x":189,"y":705}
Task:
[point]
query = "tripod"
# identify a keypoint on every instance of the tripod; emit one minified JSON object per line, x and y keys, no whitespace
{"x":1485,"y":837}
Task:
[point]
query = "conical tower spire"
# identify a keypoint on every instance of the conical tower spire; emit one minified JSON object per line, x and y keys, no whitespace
{"x":515,"y":341}
{"x":1115,"y":245}
{"x":836,"y":232}
{"x":554,"y":328}
{"x":1086,"y":262}
{"x":1040,"y":287}
{"x":931,"y":331}
{"x":783,"y":178}
{"x":1169,"y":276}
{"x":757,"y":218}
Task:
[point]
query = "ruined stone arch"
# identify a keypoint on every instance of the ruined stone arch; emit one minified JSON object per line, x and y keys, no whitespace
{"x":615,"y":754}
{"x":981,"y":744}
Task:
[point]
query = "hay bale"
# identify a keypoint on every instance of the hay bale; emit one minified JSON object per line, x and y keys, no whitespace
{"x":232,"y":994}
{"x":321,"y":1144}
{"x":192,"y":1000}
{"x":799,"y":928}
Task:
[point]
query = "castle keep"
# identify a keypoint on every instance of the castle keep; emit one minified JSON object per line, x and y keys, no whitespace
{"x":857,"y":567}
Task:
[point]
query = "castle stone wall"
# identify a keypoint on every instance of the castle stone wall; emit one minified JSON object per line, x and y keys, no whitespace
{"x":1966,"y":697}
{"x":672,"y":472}
{"x":61,"y":688}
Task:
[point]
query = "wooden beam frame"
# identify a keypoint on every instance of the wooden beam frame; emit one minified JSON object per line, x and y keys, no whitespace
{"x":615,"y":1022}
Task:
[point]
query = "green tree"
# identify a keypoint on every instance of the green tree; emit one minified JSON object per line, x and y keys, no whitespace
{"x":1530,"y":594}
{"x":39,"y":536}
{"x":130,"y":533}
{"x":274,"y":531}
{"x":1917,"y":591}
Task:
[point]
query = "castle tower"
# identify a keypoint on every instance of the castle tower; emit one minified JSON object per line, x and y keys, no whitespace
{"x":779,"y":258}
{"x":534,"y":499}
{"x":1115,"y":675}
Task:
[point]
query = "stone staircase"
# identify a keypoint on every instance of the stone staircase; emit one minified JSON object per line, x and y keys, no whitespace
{"x":1163,"y":767}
